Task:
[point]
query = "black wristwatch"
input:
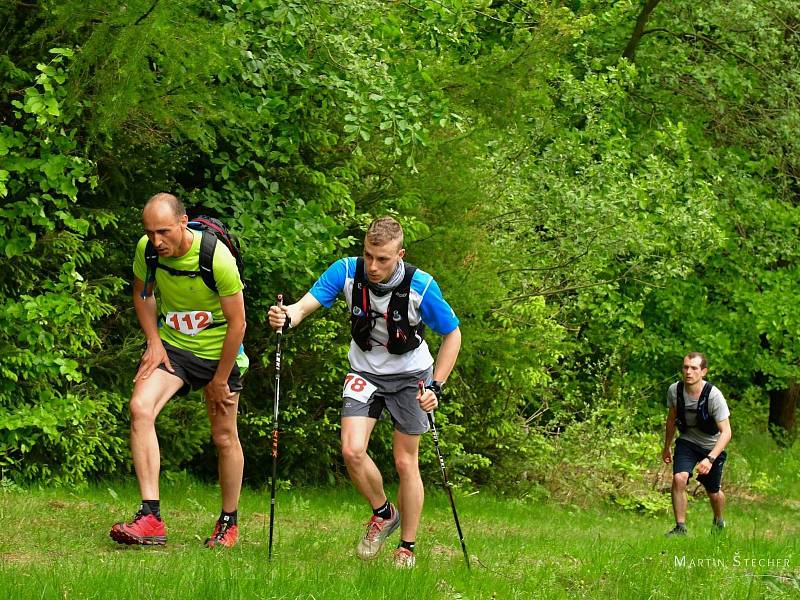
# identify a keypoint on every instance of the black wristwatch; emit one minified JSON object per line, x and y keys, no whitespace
{"x":711,"y":459}
{"x":436,"y":388}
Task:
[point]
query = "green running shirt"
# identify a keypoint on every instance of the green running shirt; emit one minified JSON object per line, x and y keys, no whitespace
{"x":178,"y":295}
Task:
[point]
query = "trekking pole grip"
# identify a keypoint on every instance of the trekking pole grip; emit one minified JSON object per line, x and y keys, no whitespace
{"x":421,"y":386}
{"x":280,"y":305}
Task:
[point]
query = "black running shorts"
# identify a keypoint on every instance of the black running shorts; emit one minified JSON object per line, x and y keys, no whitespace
{"x":688,"y":454}
{"x":196,"y":372}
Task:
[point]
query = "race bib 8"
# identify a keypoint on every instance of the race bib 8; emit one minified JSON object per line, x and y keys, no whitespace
{"x":357,"y":388}
{"x":190,"y":322}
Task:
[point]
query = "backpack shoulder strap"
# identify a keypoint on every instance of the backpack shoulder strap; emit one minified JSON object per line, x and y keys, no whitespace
{"x":360,"y":322}
{"x":705,"y":421}
{"x":359,"y":276}
{"x":400,"y":296}
{"x":705,"y":393}
{"x":151,"y":261}
{"x":702,"y":402}
{"x":680,"y":403}
{"x":409,"y":275}
{"x":208,"y":244}
{"x":360,"y":294}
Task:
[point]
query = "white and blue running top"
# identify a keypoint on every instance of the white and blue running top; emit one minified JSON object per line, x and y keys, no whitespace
{"x":425,"y":304}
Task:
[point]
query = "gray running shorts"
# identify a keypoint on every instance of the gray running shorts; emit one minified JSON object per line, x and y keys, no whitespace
{"x":397,"y":394}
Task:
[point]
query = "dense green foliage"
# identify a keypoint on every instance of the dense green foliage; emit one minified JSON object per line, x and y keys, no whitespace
{"x":591,"y":217}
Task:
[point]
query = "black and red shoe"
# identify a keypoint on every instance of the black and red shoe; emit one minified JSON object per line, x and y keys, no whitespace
{"x":224,"y":534}
{"x":146,"y":529}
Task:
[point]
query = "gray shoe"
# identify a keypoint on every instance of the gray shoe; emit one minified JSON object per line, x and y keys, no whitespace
{"x":378,"y":530}
{"x":679,"y":529}
{"x":718,"y":525}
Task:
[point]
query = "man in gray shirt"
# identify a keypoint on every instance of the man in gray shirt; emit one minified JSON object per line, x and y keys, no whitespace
{"x":701,"y":415}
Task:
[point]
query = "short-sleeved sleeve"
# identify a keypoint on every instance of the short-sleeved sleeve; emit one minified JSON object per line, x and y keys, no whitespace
{"x":139,"y":265}
{"x":331,"y":282}
{"x":226,"y":274}
{"x":436,"y":312}
{"x":672,"y":396}
{"x":718,"y":406}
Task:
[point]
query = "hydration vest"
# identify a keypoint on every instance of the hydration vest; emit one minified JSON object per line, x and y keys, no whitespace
{"x":705,"y":422}
{"x":402,"y":336}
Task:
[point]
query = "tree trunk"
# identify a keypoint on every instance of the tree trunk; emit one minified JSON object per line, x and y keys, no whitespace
{"x":783,"y":411}
{"x":638,"y":30}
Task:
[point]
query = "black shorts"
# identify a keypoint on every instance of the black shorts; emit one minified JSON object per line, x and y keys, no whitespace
{"x":688,"y":454}
{"x":196,"y":372}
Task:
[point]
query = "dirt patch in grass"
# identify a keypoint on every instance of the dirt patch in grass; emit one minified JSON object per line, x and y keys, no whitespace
{"x":19,"y":559}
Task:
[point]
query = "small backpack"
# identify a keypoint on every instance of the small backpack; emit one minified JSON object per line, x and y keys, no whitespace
{"x":705,"y":422}
{"x":403,"y":337}
{"x":213,"y":231}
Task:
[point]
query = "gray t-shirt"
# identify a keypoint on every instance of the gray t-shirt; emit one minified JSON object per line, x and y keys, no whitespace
{"x":717,"y":410}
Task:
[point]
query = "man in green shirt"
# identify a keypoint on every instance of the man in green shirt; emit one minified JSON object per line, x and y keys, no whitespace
{"x":194,"y":340}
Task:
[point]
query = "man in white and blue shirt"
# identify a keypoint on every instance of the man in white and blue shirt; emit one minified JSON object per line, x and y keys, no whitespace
{"x":390,"y":303}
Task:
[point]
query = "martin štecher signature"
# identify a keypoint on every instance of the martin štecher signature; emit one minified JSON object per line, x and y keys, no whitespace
{"x":737,"y":561}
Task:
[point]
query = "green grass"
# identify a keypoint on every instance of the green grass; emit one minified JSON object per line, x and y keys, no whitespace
{"x":54,"y":544}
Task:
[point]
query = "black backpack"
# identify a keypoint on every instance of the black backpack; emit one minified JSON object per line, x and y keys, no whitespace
{"x":402,"y":336}
{"x":705,"y":422}
{"x":213,"y":231}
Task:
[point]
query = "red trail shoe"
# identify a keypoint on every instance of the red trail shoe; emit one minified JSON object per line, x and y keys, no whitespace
{"x":145,"y":529}
{"x":224,"y":534}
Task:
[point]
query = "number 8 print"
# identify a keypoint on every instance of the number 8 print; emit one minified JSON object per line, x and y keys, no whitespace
{"x":356,"y":384}
{"x":357,"y":388}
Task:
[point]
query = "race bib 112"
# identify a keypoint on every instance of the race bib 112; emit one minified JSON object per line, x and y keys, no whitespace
{"x":190,"y":322}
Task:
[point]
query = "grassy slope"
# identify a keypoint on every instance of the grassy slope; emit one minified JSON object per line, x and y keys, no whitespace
{"x":54,"y":544}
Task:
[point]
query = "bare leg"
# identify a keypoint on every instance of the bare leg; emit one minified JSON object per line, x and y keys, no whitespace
{"x":225,"y":434}
{"x":149,"y":398}
{"x":363,"y":472}
{"x":679,"y":502}
{"x":411,"y":493}
{"x":717,"y":500}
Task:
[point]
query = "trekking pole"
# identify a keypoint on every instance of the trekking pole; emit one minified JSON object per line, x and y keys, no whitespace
{"x":444,"y":477}
{"x":275,"y":430}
